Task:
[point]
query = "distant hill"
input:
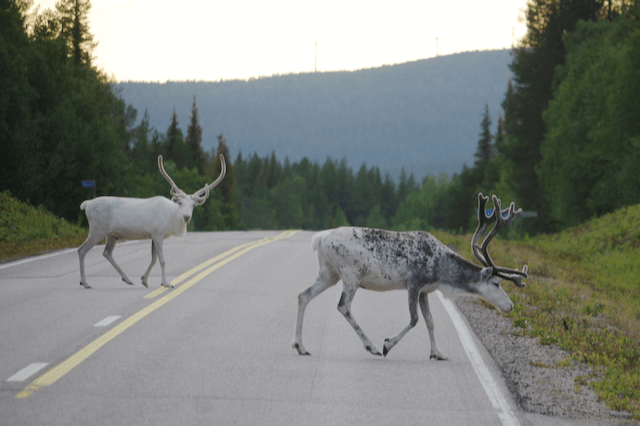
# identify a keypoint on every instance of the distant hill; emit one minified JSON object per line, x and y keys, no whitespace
{"x":424,"y":115}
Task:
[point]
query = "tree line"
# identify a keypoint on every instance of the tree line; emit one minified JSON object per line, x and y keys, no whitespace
{"x":567,"y":146}
{"x":60,"y":120}
{"x":572,"y":115}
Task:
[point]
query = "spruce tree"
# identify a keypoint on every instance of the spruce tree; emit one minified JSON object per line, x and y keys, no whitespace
{"x":500,"y":134}
{"x":229,"y":185}
{"x":140,"y":154}
{"x":74,"y":20}
{"x":484,"y":151}
{"x":197,"y":157}
{"x":174,"y":147}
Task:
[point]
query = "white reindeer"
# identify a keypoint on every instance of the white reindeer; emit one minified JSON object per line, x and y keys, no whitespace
{"x":416,"y":261}
{"x":157,"y":218}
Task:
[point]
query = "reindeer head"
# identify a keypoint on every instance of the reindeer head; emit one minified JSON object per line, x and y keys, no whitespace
{"x":489,"y":287}
{"x":186,"y":202}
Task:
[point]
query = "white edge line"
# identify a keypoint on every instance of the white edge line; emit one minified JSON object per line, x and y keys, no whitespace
{"x":31,"y":259}
{"x":27,"y":372}
{"x":44,"y":256}
{"x":108,"y":320}
{"x":490,"y":386}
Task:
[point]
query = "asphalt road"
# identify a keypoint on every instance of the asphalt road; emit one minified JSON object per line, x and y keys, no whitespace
{"x":217,"y":348}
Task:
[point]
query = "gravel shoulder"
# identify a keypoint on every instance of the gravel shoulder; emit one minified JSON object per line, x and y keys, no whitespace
{"x":531,"y":372}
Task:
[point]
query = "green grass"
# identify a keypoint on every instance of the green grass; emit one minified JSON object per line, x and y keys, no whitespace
{"x":28,"y":231}
{"x":584,"y":295}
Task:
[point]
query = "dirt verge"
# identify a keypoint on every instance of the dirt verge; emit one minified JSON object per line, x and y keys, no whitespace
{"x":532,"y":373}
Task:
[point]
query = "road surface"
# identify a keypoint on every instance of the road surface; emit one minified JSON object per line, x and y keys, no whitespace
{"x":217,"y":348}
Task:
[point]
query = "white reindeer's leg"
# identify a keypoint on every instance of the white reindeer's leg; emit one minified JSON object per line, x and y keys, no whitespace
{"x":413,"y":311}
{"x":154,"y":257}
{"x":325,"y":279}
{"x":426,"y":313}
{"x":91,"y":241}
{"x":108,"y":250}
{"x":344,"y":306}
{"x":158,"y":246}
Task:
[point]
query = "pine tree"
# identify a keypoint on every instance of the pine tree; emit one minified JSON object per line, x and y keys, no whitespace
{"x":197,"y":157}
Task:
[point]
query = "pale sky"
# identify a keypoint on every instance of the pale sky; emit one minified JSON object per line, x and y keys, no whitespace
{"x":160,"y":40}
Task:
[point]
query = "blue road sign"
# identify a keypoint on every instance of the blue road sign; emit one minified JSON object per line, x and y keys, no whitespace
{"x":88,"y":183}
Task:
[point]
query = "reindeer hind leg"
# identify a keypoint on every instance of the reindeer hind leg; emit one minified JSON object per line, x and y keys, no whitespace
{"x":93,"y":239}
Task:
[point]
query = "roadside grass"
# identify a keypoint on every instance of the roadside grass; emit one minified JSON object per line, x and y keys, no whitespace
{"x":583,"y":293}
{"x":29,"y":231}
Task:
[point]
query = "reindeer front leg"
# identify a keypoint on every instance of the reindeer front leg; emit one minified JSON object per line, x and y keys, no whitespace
{"x":413,"y":311}
{"x":154,"y":257}
{"x":157,"y":243}
{"x":426,"y":313}
{"x":344,"y":306}
{"x":325,"y":279}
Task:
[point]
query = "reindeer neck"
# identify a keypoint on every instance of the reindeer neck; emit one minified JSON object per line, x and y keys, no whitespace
{"x":458,"y":272}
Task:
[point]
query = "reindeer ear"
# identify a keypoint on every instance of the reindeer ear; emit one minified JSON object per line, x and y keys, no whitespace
{"x":486,"y":273}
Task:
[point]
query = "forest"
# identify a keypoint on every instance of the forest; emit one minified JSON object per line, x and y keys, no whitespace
{"x":566,"y":147}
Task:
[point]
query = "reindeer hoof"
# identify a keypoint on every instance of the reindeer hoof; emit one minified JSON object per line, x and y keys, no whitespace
{"x":85,"y":285}
{"x":300,"y":349}
{"x":144,"y":283}
{"x":167,"y":285}
{"x":438,"y":357}
{"x":373,"y":351}
{"x":128,"y":281}
{"x":386,"y":349}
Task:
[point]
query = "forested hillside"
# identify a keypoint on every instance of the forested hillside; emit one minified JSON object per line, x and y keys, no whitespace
{"x":420,"y":115}
{"x":319,"y":150}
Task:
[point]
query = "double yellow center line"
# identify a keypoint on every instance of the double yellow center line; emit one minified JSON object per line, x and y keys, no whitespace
{"x":204,"y":269}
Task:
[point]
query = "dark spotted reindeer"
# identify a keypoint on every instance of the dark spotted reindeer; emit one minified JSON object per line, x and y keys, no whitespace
{"x":156,"y":218}
{"x":416,"y":261}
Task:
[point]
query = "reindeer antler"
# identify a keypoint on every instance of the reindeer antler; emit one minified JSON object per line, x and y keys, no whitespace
{"x":202,"y":195}
{"x":501,"y":218}
{"x":175,"y":191}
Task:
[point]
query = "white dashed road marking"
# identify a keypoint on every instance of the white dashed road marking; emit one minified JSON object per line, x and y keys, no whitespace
{"x":108,"y":320}
{"x":27,"y":372}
